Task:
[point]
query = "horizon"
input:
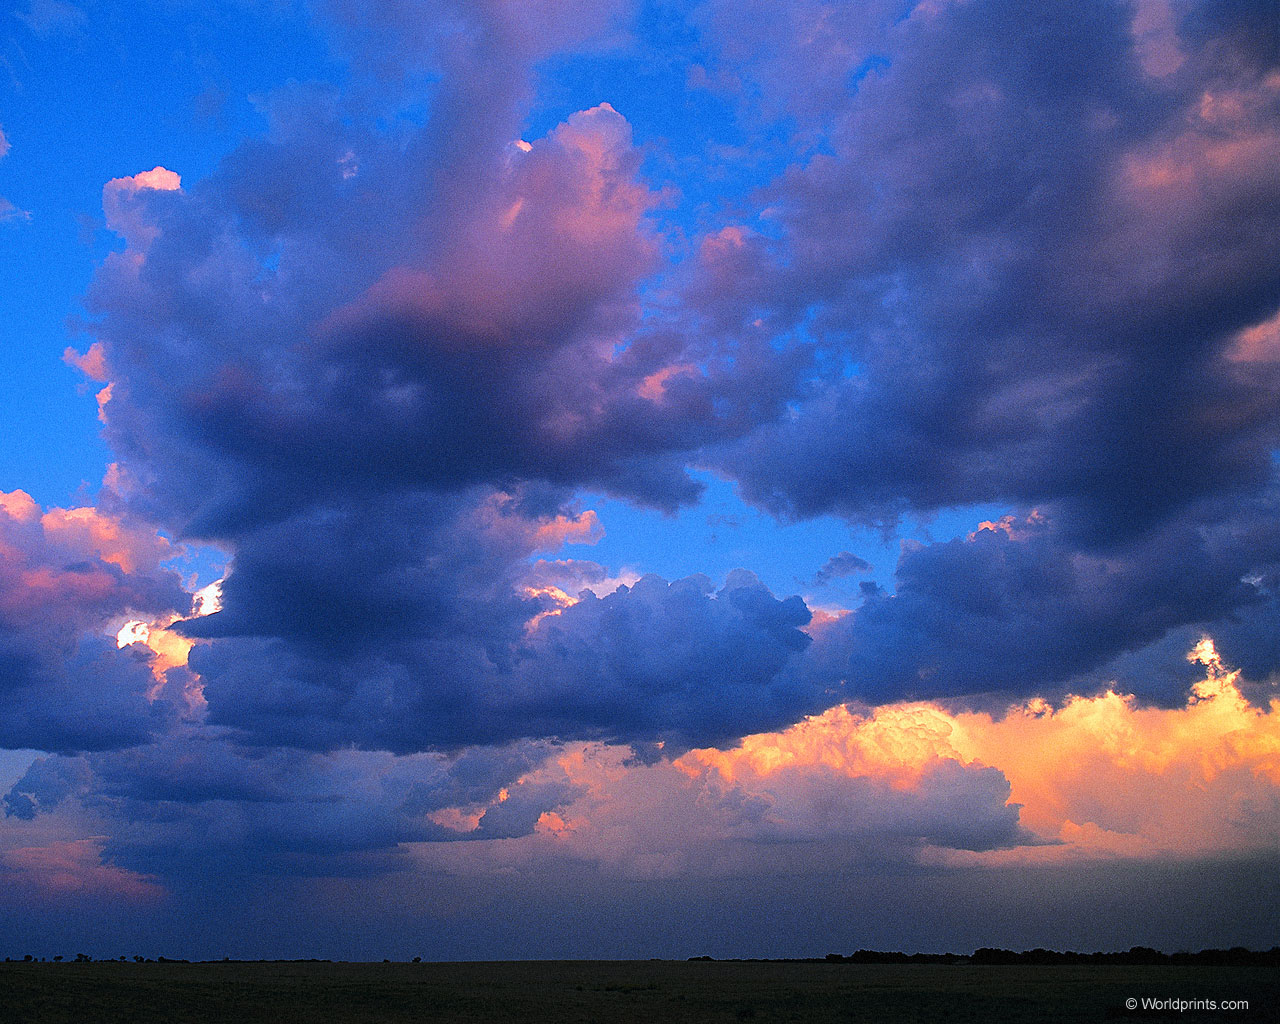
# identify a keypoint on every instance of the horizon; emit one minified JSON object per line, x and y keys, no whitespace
{"x":859,"y":956}
{"x":586,"y":479}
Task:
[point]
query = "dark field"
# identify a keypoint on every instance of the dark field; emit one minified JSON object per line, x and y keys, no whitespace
{"x":652,"y":991}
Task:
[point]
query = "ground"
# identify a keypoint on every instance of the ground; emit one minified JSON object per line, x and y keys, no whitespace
{"x":582,"y":992}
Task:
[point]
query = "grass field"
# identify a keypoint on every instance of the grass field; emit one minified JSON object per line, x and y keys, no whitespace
{"x":639,"y":992}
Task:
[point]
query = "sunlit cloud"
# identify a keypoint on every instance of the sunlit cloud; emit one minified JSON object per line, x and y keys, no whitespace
{"x":980,"y":355}
{"x":71,"y":870}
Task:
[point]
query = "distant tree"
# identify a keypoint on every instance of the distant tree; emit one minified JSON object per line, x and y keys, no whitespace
{"x":27,"y":959}
{"x":138,"y":959}
{"x":57,"y":958}
{"x":417,"y":959}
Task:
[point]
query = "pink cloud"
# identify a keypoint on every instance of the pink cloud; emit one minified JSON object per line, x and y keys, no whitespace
{"x":71,"y":869}
{"x":1155,"y":37}
{"x":124,"y":203}
{"x":1259,"y":344}
{"x":553,"y":249}
{"x":93,"y":363}
{"x":65,"y":572}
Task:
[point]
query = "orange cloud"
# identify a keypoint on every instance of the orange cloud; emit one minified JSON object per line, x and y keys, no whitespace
{"x":1100,"y":775}
{"x":1101,"y":770}
{"x":1096,"y":778}
{"x":560,"y":601}
{"x":554,"y":533}
{"x":1014,"y":527}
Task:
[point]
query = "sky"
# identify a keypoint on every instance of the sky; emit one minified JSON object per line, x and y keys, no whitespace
{"x":629,"y":478}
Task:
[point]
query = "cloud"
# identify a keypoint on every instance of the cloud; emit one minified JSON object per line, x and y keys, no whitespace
{"x":381,"y":402}
{"x":998,"y":248}
{"x":198,"y":804}
{"x":656,"y":662}
{"x":9,"y":212}
{"x":68,"y":579}
{"x":1093,"y":780}
{"x":72,"y":871}
{"x":678,"y":662}
{"x":125,"y":203}
{"x":378,"y":354}
{"x":1095,"y":777}
{"x":1030,"y":280}
{"x":831,"y":790}
{"x":838,"y":566}
{"x":467,"y":346}
{"x":1016,"y":607}
{"x":47,"y":18}
{"x":1113,"y":779}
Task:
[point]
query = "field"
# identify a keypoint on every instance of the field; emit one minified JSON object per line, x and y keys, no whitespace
{"x":604,"y":992}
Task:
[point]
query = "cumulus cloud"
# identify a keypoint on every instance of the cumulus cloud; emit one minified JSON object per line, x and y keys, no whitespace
{"x":379,"y":353}
{"x":1016,"y":607}
{"x":72,"y":872}
{"x":1093,"y":779}
{"x":69,"y":578}
{"x":1038,"y":277}
{"x":379,"y":390}
{"x":838,"y":566}
{"x":390,"y":344}
{"x":197,"y":802}
{"x":1082,"y":775}
{"x":1002,"y":247}
{"x":653,"y":663}
{"x":828,"y":791}
{"x":1112,"y":779}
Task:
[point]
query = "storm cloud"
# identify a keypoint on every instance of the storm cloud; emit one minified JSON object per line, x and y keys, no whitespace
{"x":965,"y":313}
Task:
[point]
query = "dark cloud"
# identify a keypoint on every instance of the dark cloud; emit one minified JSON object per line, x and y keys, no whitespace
{"x":838,"y":566}
{"x":411,"y":624}
{"x":674,"y":662}
{"x":678,"y":662}
{"x":1017,"y":608}
{"x":196,"y":802}
{"x":1028,"y":257}
{"x":1026,"y":261}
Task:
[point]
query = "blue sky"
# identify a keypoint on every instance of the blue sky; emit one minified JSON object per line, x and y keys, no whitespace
{"x":628,"y":446}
